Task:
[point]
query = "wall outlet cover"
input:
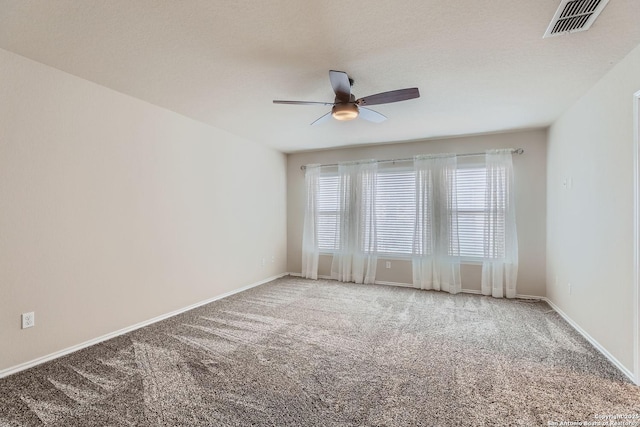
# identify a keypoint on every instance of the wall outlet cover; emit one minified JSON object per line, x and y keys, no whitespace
{"x":28,"y":320}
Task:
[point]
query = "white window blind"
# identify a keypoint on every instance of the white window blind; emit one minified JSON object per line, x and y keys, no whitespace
{"x":395,"y":211}
{"x":471,"y":185}
{"x":395,"y":202}
{"x":472,"y":212}
{"x":328,"y":225}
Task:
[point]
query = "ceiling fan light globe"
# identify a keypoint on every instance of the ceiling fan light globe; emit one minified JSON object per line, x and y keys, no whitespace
{"x":344,"y":112}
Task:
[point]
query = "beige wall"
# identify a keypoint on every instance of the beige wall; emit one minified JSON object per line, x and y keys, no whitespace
{"x":530,"y":171}
{"x":114,"y":211}
{"x":590,"y":222}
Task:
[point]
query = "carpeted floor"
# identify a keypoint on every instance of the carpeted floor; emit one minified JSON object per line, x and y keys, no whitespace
{"x":297,"y":352}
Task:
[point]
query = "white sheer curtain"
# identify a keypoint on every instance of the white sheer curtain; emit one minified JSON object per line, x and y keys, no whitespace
{"x":355,"y":259}
{"x":310,"y":251}
{"x":500,"y":264}
{"x":436,"y":249}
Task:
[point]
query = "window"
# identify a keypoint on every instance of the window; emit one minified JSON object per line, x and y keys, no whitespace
{"x":395,"y":211}
{"x":327,"y":210}
{"x":471,"y":184}
{"x":473,"y":212}
{"x":395,"y":203}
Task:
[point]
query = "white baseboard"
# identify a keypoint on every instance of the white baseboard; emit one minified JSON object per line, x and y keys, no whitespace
{"x":532,"y":297}
{"x":399,"y":284}
{"x":593,"y":341}
{"x":68,"y":350}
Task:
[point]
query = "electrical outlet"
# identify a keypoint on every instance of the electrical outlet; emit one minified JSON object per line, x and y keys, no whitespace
{"x":387,"y":264}
{"x":28,"y":320}
{"x":569,"y":286}
{"x":567,"y":183}
{"x":273,"y":259}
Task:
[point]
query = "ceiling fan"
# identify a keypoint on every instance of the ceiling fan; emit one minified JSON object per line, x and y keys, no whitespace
{"x":347,"y":107}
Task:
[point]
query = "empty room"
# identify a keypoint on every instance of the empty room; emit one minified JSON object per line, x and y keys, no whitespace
{"x":337,"y":213}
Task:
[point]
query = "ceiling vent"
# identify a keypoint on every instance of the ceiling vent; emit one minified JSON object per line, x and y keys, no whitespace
{"x":574,"y":15}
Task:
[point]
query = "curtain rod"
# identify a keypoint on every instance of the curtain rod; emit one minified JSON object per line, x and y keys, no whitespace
{"x":406,"y":159}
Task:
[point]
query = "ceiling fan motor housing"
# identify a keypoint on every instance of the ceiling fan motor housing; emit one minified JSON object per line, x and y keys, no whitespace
{"x":345,"y":111}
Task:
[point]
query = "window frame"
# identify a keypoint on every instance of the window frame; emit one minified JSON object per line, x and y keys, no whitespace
{"x":397,"y":169}
{"x":325,"y":250}
{"x":464,"y":258}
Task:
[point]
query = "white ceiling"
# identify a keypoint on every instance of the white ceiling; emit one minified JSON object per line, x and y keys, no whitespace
{"x":481,"y":66}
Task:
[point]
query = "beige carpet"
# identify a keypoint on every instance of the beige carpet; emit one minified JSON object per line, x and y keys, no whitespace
{"x":297,"y":352}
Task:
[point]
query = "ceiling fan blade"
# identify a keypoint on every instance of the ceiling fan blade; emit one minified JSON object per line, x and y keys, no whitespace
{"x":322,"y":119}
{"x":370,"y":115}
{"x":277,"y":101}
{"x":341,"y":85}
{"x":388,"y":97}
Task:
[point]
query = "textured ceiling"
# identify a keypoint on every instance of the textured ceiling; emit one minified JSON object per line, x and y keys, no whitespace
{"x":481,"y":66}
